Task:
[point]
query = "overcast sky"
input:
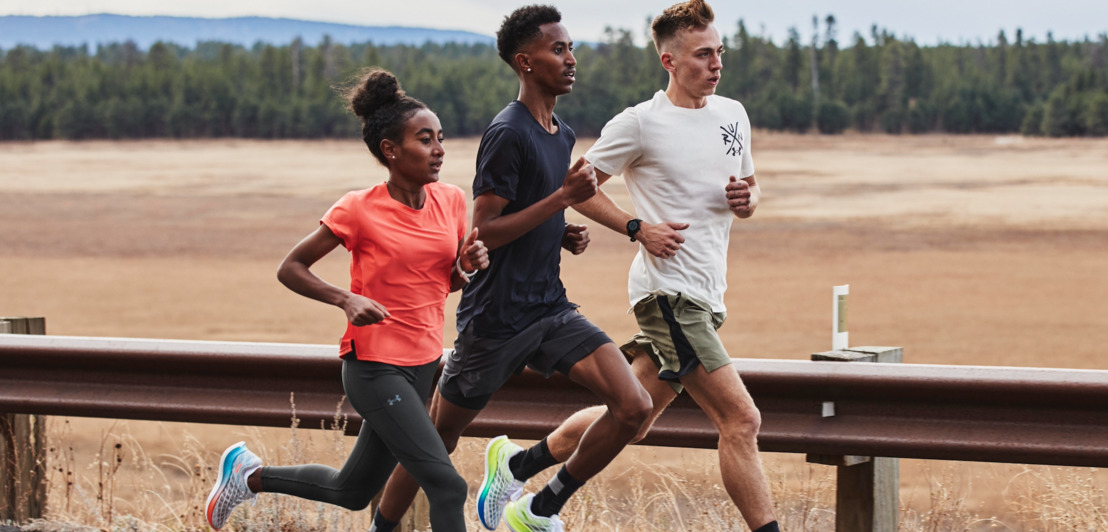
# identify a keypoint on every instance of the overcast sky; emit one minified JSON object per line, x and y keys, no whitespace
{"x":954,"y":21}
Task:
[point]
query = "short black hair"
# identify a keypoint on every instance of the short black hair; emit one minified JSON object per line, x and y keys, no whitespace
{"x":522,"y":27}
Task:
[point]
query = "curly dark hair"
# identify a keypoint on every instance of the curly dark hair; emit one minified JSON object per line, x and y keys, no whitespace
{"x":522,"y":27}
{"x":691,"y":14}
{"x":376,"y":98}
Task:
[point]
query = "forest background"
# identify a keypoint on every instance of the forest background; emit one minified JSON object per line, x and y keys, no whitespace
{"x":875,"y":83}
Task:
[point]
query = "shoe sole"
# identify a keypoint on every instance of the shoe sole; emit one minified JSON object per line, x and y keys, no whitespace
{"x":512,"y":528}
{"x":225,"y":462}
{"x":484,"y":495}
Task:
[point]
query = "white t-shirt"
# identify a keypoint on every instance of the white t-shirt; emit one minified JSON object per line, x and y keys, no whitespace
{"x":676,"y":163}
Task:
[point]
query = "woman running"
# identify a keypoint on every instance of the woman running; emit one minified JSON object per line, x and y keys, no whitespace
{"x":409,"y":249}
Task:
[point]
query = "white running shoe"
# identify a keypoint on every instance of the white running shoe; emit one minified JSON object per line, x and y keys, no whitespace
{"x":230,"y":488}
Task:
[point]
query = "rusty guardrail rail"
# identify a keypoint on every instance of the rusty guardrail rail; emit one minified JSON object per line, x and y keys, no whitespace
{"x":992,"y":414}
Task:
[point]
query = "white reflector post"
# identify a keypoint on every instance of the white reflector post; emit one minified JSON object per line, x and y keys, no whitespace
{"x":840,"y":338}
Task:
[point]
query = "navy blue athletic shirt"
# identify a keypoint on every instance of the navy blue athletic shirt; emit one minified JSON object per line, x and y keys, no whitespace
{"x":520,"y":161}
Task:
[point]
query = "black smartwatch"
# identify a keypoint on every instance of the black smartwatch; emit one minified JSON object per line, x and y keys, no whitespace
{"x":633,"y":227}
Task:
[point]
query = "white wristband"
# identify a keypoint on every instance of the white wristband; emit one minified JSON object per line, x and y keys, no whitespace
{"x":462,"y":272}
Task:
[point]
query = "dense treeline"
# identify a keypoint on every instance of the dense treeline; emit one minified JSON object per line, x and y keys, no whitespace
{"x":874,"y":83}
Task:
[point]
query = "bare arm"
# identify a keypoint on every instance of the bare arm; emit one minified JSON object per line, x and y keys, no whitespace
{"x":601,"y":209}
{"x":497,"y":230}
{"x":743,"y":196}
{"x":661,"y":240}
{"x":295,"y":273}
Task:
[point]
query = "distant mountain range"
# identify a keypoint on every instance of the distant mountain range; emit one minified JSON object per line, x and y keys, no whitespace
{"x":46,"y":32}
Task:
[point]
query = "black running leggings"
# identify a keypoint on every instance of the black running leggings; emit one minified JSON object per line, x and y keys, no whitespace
{"x":395,"y":427}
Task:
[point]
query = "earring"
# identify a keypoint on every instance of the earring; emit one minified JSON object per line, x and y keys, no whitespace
{"x":528,"y":69}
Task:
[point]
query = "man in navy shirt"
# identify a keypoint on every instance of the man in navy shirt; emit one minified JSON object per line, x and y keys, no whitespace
{"x":516,"y":313}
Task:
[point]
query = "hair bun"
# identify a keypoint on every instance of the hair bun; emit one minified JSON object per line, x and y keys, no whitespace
{"x":378,"y":89}
{"x":381,"y":105}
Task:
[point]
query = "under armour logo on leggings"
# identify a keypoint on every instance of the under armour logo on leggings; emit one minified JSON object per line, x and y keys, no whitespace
{"x":394,"y":400}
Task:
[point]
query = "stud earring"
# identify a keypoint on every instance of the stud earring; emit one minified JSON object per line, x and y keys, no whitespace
{"x":528,"y":69}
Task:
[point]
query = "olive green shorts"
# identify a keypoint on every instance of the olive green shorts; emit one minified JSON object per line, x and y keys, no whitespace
{"x":679,"y":334}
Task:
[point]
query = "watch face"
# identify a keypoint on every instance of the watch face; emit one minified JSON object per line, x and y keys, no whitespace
{"x":632,"y":227}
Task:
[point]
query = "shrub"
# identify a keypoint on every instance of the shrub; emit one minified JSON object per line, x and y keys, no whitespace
{"x":833,"y":117}
{"x":1033,"y":121}
{"x":921,"y":117}
{"x":1096,"y":115}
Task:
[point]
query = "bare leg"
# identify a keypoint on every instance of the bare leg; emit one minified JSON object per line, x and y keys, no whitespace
{"x":401,"y":489}
{"x":724,"y":398}
{"x":565,"y":439}
{"x":606,"y":373}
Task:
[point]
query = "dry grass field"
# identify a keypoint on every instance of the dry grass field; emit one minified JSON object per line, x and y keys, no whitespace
{"x":961,"y":249}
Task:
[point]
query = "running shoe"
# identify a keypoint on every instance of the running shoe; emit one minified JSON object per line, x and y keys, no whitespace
{"x":499,"y":485}
{"x":520,"y":519}
{"x":230,"y":488}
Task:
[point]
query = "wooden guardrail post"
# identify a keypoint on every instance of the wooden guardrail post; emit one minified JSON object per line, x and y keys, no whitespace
{"x":867,"y":494}
{"x":22,"y":448}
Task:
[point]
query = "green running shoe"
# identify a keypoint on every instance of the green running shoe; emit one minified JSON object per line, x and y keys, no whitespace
{"x":520,"y":519}
{"x":499,"y":485}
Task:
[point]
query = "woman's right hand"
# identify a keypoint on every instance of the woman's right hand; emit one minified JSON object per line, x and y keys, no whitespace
{"x":362,"y":311}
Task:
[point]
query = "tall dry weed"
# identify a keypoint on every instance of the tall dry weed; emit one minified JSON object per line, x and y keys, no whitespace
{"x":1056,"y":499}
{"x":803,"y":497}
{"x":653,"y":498}
{"x":124,"y":488}
{"x":946,"y":511}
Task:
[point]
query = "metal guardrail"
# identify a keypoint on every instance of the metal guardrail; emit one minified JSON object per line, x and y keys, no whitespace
{"x":992,"y":414}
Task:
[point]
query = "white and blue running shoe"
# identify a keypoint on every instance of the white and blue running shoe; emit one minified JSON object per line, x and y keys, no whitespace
{"x":230,"y":488}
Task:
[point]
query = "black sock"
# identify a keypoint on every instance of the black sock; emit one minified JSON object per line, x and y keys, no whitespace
{"x":530,"y":462}
{"x":550,"y":500}
{"x":380,"y":524}
{"x":769,"y":527}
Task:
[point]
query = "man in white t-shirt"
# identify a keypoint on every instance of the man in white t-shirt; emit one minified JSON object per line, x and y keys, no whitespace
{"x":685,"y":156}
